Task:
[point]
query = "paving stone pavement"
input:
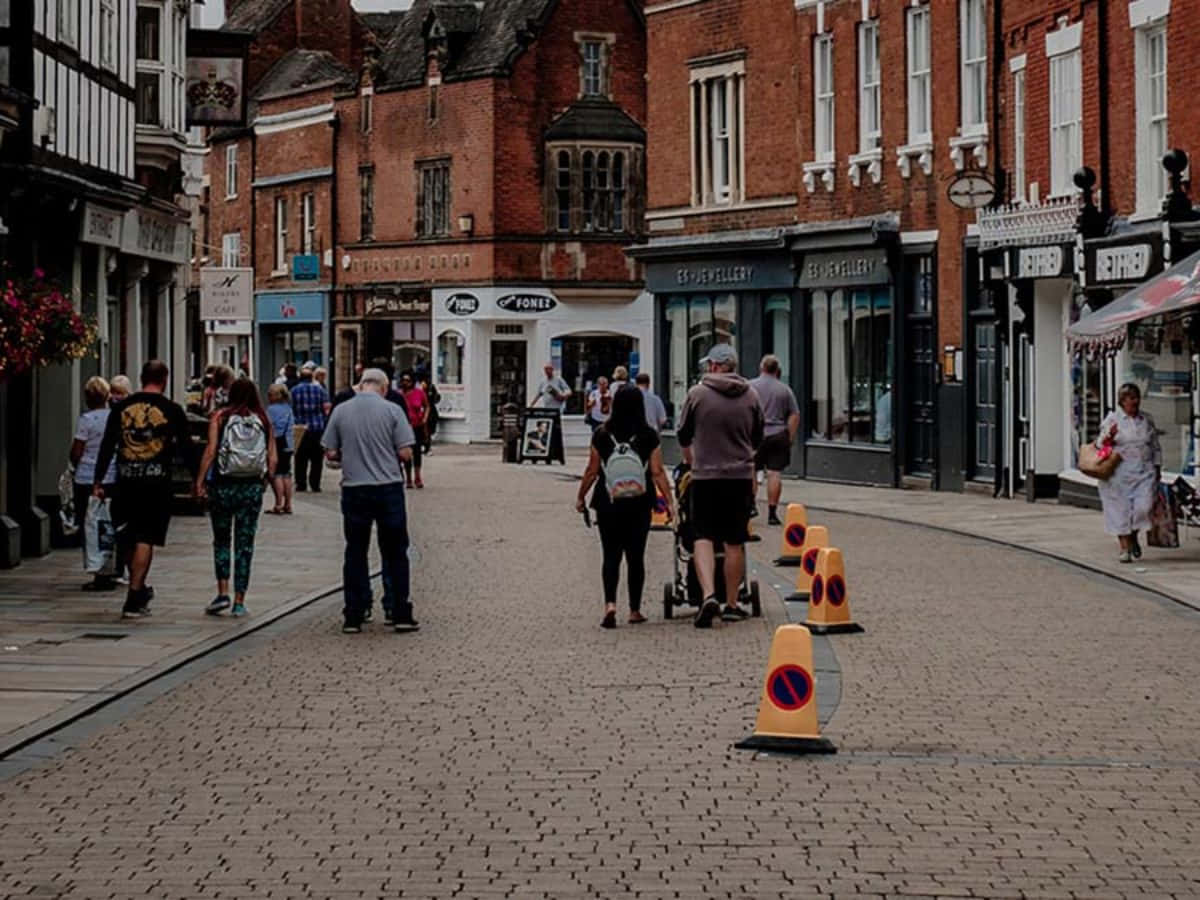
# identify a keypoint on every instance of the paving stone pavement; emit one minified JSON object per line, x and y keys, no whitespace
{"x":1008,"y":727}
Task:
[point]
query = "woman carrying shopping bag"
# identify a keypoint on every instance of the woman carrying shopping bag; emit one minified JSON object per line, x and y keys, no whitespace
{"x":84,"y":449}
{"x":1129,"y":492}
{"x":241,"y":444}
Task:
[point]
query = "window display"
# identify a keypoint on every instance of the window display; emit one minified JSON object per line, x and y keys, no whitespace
{"x":1159,"y":361}
{"x":691,"y":326}
{"x":450,"y":358}
{"x":585,"y":358}
{"x":852,"y":366}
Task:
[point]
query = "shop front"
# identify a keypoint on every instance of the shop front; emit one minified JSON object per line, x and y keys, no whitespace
{"x":1139,"y":324}
{"x":291,"y":327}
{"x":390,"y":322}
{"x":490,"y":345}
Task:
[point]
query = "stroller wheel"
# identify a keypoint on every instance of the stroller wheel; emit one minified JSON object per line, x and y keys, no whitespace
{"x":755,"y":600}
{"x":668,"y":600}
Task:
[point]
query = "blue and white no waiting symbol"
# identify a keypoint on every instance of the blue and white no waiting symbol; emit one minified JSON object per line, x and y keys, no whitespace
{"x":790,"y":687}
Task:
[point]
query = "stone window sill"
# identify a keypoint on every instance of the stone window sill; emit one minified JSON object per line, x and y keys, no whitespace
{"x":822,"y":171}
{"x":872,"y":161}
{"x":921,"y":151}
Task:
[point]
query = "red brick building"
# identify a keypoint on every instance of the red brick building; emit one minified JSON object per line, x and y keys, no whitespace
{"x":488,"y":176}
{"x":800,"y":208}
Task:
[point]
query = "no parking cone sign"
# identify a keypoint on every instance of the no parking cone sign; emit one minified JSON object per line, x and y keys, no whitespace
{"x":787,"y":709}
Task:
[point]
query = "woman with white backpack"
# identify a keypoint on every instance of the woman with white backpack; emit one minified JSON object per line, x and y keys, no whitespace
{"x":625,"y":466}
{"x":241,"y":455}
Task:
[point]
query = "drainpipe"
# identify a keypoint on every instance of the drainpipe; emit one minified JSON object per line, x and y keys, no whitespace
{"x":330,"y":356}
{"x":997,"y":83}
{"x":255,"y":343}
{"x":1103,"y":88}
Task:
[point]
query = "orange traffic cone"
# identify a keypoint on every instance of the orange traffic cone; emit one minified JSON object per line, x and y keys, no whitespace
{"x":817,"y":538}
{"x":787,"y":710}
{"x":658,"y":518}
{"x":829,"y":598}
{"x":795,"y":530}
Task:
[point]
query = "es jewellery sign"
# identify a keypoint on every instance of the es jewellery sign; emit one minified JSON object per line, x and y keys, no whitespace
{"x":462,"y":304}
{"x":226,"y":294}
{"x":526,"y":303}
{"x":1131,"y":263}
{"x":1040,"y":262}
{"x":689,"y":276}
{"x":972,"y":191}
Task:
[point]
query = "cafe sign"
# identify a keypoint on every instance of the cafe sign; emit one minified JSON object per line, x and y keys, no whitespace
{"x":226,"y":294}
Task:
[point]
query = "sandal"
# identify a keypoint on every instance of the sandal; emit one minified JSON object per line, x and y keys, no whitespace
{"x":275,"y":512}
{"x":636,"y":618}
{"x":287,"y":511}
{"x":610,"y":620}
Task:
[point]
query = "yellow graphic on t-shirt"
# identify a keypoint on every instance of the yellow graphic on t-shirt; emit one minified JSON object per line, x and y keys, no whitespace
{"x":142,"y":425}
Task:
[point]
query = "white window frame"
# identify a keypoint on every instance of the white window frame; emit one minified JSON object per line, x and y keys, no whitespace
{"x":973,"y":75}
{"x":68,"y":22}
{"x":108,"y":34}
{"x":1152,"y":125}
{"x":1019,"y":98}
{"x":870,"y":111}
{"x":824,"y":97}
{"x":726,"y":81}
{"x":308,"y":222}
{"x":1066,"y":120}
{"x":920,"y":76}
{"x":231,"y":172}
{"x":280,"y":236}
{"x":231,"y":250}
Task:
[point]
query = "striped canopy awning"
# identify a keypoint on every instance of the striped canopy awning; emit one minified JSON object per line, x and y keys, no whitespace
{"x":1103,"y":331}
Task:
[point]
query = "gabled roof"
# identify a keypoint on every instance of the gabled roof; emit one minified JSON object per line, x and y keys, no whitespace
{"x":300,"y":70}
{"x":504,"y":28}
{"x":595,"y":118}
{"x":254,"y":15}
{"x":457,"y":17}
{"x":382,"y":24}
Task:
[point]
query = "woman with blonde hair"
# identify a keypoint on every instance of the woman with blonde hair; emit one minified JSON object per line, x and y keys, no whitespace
{"x":89,"y":431}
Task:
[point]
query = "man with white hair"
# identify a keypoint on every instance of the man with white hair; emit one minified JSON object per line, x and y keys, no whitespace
{"x":372,"y":439}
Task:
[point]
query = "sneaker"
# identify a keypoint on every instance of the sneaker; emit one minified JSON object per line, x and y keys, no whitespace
{"x":137,"y":603}
{"x":387,"y":617}
{"x":405,"y":625}
{"x":773,"y":519}
{"x":219,"y":604}
{"x":239,"y":610}
{"x":138,"y":612}
{"x":351,"y":628}
{"x":1136,"y":548}
{"x":708,"y":611}
{"x":733,"y":614}
{"x":367,"y":615}
{"x":1125,"y":557}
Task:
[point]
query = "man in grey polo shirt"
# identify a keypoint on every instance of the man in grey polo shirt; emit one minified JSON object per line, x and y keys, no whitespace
{"x":372,"y":438}
{"x":782,"y":421}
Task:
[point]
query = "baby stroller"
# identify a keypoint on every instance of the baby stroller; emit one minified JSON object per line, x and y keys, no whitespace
{"x":685,"y":587}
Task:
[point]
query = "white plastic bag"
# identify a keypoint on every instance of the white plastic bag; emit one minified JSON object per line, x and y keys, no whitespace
{"x":99,"y":539}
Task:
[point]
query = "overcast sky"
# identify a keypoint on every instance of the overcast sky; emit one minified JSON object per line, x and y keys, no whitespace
{"x":212,"y":13}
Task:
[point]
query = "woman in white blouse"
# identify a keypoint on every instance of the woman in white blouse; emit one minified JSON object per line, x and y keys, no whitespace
{"x":1128,"y":495}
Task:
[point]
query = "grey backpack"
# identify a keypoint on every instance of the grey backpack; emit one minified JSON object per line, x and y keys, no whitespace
{"x":243,"y":451}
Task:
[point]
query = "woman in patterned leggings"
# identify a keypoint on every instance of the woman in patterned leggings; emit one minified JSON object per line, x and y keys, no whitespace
{"x":241,"y":443}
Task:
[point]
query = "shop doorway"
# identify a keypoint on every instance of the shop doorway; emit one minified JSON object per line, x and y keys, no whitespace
{"x":296,"y":345}
{"x":586,"y":357}
{"x":920,"y":368}
{"x":984,"y":413}
{"x":508,"y":379}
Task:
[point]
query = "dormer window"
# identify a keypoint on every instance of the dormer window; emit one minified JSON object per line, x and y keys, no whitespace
{"x":594,"y":53}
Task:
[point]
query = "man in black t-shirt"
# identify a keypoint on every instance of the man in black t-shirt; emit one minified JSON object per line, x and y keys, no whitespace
{"x":145,"y":433}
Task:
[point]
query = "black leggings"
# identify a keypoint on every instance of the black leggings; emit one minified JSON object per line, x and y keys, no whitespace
{"x":623,"y":534}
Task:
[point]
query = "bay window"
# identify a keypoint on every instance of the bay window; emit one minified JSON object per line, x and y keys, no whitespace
{"x":589,"y":189}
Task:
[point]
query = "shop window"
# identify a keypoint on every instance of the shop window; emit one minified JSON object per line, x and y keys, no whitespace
{"x":777,"y":331}
{"x":691,"y":325}
{"x":1159,"y":359}
{"x":851,"y":366}
{"x":585,"y":358}
{"x":450,"y":358}
{"x":410,"y":344}
{"x":675,"y":340}
{"x":433,"y":198}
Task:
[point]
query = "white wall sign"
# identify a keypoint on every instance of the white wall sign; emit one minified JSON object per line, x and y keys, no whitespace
{"x":1040,"y":262}
{"x":1130,"y":263}
{"x":226,"y":294}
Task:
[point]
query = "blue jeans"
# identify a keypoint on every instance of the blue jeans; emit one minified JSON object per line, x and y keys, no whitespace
{"x":381,"y":505}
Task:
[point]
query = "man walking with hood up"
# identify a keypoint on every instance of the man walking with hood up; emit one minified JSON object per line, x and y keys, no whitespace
{"x":720,"y":428}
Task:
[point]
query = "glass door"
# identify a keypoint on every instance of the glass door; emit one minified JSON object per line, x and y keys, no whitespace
{"x":508,"y":379}
{"x":920,"y":367}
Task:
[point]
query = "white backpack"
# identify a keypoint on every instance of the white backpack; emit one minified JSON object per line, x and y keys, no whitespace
{"x":624,"y":472}
{"x":243,"y":451}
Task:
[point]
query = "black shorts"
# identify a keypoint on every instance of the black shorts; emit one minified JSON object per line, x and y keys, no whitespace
{"x":283,"y":459}
{"x":775,"y":453}
{"x":721,"y":509}
{"x":143,"y":513}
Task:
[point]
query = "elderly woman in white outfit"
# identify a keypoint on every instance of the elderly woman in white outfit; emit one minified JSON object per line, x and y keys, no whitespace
{"x":1128,"y":495}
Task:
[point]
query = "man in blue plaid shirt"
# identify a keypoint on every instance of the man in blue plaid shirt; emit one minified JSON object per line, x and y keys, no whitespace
{"x":310,"y":406}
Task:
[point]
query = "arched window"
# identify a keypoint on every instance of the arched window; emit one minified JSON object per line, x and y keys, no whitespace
{"x":618,"y":192}
{"x":563,"y":191}
{"x":589,"y":190}
{"x":603,"y":222}
{"x":449,"y":369}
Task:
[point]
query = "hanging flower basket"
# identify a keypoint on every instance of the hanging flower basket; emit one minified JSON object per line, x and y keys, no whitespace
{"x":39,"y":326}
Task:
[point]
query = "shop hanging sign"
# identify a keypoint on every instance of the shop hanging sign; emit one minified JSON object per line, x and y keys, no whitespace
{"x":462,"y":304}
{"x":526,"y":303}
{"x":972,"y":191}
{"x":306,"y":267}
{"x":403,"y":307}
{"x":216,"y":76}
{"x":226,"y":294}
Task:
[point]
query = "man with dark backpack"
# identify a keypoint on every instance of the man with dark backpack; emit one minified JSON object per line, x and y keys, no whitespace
{"x":241,"y":443}
{"x":625,"y":464}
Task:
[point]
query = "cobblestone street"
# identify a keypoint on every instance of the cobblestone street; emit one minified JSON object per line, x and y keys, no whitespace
{"x":1008,"y":726}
